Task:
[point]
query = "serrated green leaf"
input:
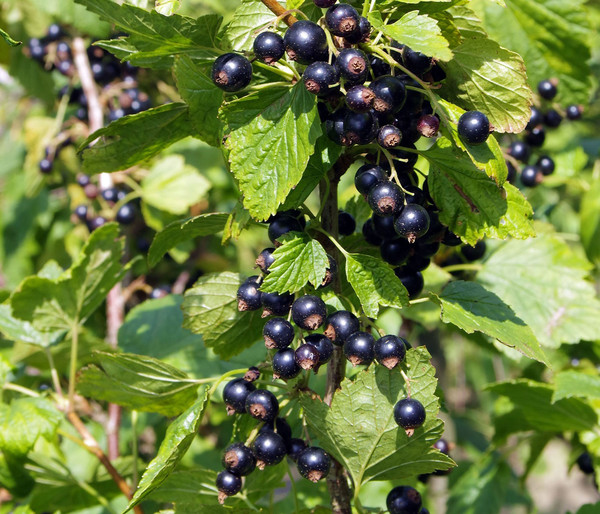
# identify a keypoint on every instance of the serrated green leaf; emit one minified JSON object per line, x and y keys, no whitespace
{"x":137,"y":382}
{"x":176,"y":443}
{"x":135,"y":138}
{"x":269,"y":155}
{"x":247,"y":21}
{"x":417,"y":31}
{"x":167,"y":7}
{"x":298,"y":261}
{"x":202,"y":96}
{"x":576,"y":384}
{"x":544,"y":282}
{"x":210,"y":309}
{"x":19,"y":330}
{"x":590,"y":222}
{"x":471,"y":308}
{"x":375,"y":283}
{"x":184,"y":230}
{"x":241,"y":111}
{"x":589,"y":508}
{"x":9,"y":40}
{"x":359,"y":428}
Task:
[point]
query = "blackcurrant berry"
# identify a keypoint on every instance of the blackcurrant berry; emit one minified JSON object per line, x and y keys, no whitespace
{"x":386,"y":198}
{"x":437,"y":73}
{"x":473,"y":253}
{"x":378,"y":66}
{"x":530,"y":176}
{"x":97,"y":222}
{"x":305,"y":42}
{"x":416,"y":263}
{"x":367,"y":176}
{"x":262,"y":405}
{"x":313,"y":463}
{"x":359,"y":348}
{"x":346,"y":223}
{"x":307,"y":356}
{"x":37,"y":50}
{"x":369,"y":233}
{"x":282,"y":427}
{"x":252,"y":375}
{"x":340,"y":325}
{"x":412,"y":281}
{"x":474,"y":127}
{"x":235,"y":394}
{"x":537,"y":118}
{"x":574,"y":112}
{"x":359,"y":128}
{"x":442,"y":446}
{"x":403,"y":500}
{"x":384,"y":227}
{"x":295,"y":447}
{"x":390,"y":351}
{"x":520,"y":151}
{"x":342,"y":20}
{"x":395,"y":251}
{"x":285,"y":365}
{"x":552,"y":118}
{"x":323,"y":346}
{"x":160,"y":292}
{"x":428,"y":125}
{"x":416,"y":62}
{"x":239,"y":459}
{"x":334,"y":125}
{"x":282,"y":225}
{"x":389,"y":136}
{"x":81,"y":211}
{"x":228,"y":484}
{"x":511,"y":174}
{"x":359,"y":98}
{"x":321,"y":78}
{"x":408,"y":158}
{"x":331,"y":272}
{"x":269,"y":449}
{"x":248,"y":295}
{"x":547,"y":89}
{"x":278,"y":333}
{"x":55,"y":32}
{"x":390,"y":94}
{"x":265,"y":259}
{"x":110,"y":194}
{"x":361,"y":34}
{"x":309,"y":312}
{"x":417,"y":196}
{"x":546,"y":165}
{"x":231,"y":72}
{"x":126,"y":214}
{"x":269,"y":47}
{"x":46,"y":166}
{"x":352,"y":65}
{"x":412,"y":222}
{"x":83,"y":179}
{"x":409,"y":413}
{"x":536,"y":137}
{"x":324,"y":4}
{"x":586,"y":463}
{"x":276,"y":304}
{"x":451,"y":239}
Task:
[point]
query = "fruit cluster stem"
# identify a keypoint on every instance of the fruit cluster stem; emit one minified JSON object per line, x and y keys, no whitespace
{"x":277,"y":9}
{"x":84,"y":70}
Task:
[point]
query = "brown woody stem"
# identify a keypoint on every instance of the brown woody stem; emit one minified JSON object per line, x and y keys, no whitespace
{"x":277,"y":9}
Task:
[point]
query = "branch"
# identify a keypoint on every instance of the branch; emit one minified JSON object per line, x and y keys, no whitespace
{"x":88,"y":85}
{"x":277,"y":9}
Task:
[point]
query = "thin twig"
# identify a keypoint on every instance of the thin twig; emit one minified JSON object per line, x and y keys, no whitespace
{"x":278,"y":10}
{"x":84,"y":70}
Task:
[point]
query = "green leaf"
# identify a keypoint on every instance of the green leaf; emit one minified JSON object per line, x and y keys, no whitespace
{"x":590,"y":222}
{"x":544,"y":282}
{"x":471,"y":203}
{"x":19,"y":330}
{"x":472,"y":308}
{"x":484,"y":76}
{"x":184,"y":230}
{"x":9,"y":40}
{"x":135,"y":138}
{"x":167,"y":7}
{"x":574,"y":383}
{"x":176,"y":443}
{"x":203,"y":98}
{"x":269,"y":155}
{"x":375,"y":283}
{"x":589,"y":508}
{"x":240,"y":111}
{"x":247,"y":20}
{"x":137,"y":382}
{"x":174,"y":186}
{"x":54,"y":305}
{"x":359,"y":429}
{"x":298,"y":261}
{"x":417,"y":31}
{"x":210,"y":309}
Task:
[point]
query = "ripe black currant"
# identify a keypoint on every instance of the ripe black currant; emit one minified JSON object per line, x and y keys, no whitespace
{"x":395,"y":251}
{"x":473,"y":253}
{"x":450,"y":238}
{"x":390,"y":351}
{"x":285,"y":365}
{"x":367,"y":176}
{"x":126,"y":214}
{"x":320,"y":78}
{"x":546,"y":165}
{"x":269,"y":47}
{"x":262,"y":405}
{"x":160,"y":292}
{"x":416,"y":62}
{"x":265,"y":259}
{"x":342,"y":20}
{"x":359,"y":128}
{"x":442,"y":445}
{"x":547,"y":89}
{"x":586,"y":463}
{"x":228,"y":484}
{"x":530,"y":176}
{"x":403,"y":500}
{"x":359,"y":98}
{"x":409,"y":413}
{"x":334,"y":125}
{"x":282,"y":427}
{"x":384,"y":227}
{"x":309,"y":312}
{"x":537,"y":118}
{"x":248,"y":296}
{"x":46,"y":166}
{"x":346,"y":223}
{"x":511,"y":174}
{"x":278,"y":333}
{"x":110,"y":194}
{"x":412,"y":281}
{"x":282,"y":225}
{"x":305,"y":42}
{"x":323,"y":346}
{"x":390,"y":94}
{"x":307,"y":356}
{"x":231,"y":72}
{"x":412,"y":222}
{"x":552,"y":118}
{"x":295,"y":447}
{"x":574,"y":112}
{"x":361,"y":34}
{"x":340,"y":325}
{"x":428,"y":125}
{"x":239,"y":459}
{"x":474,"y":127}
{"x":324,"y":4}
{"x":536,"y":137}
{"x":269,"y":449}
{"x":386,"y":198}
{"x":331,"y":272}
{"x":81,"y":212}
{"x":359,"y":348}
{"x":520,"y":151}
{"x":417,"y":196}
{"x":379,"y":67}
{"x":353,"y":65}
{"x":234,"y":395}
{"x":252,"y":374}
{"x":313,"y":463}
{"x":389,"y":136}
{"x":369,"y":233}
{"x":416,"y":263}
{"x":276,"y":304}
{"x":83,"y":179}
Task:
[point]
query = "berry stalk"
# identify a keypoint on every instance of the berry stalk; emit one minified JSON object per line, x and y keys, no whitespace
{"x":275,"y":6}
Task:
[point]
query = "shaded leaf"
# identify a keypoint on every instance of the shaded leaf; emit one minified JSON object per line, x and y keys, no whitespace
{"x":574,"y":383}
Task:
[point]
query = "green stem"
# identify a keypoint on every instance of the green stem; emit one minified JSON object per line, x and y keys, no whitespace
{"x":54,"y":373}
{"x":267,"y":85}
{"x":463,"y":267}
{"x":20,"y":389}
{"x":224,"y":377}
{"x":293,"y":486}
{"x":275,"y":69}
{"x":327,"y":188}
{"x":92,"y":492}
{"x":419,"y":300}
{"x":134,"y":450}
{"x":334,"y":241}
{"x":73,"y":363}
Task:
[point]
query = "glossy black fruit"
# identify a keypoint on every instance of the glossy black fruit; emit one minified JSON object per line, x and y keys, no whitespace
{"x":427,"y":249}
{"x":390,"y":351}
{"x":97,"y":222}
{"x":473,"y":253}
{"x":552,"y":118}
{"x":342,"y":20}
{"x":390,"y":94}
{"x":403,"y":500}
{"x":346,"y":223}
{"x":359,"y":98}
{"x":416,"y":196}
{"x":442,"y":445}
{"x":547,"y":89}
{"x":574,"y":112}
{"x":321,"y":78}
{"x":359,"y":348}
{"x":228,"y":484}
{"x":239,"y":459}
{"x":520,"y":151}
{"x":386,"y":198}
{"x":262,"y":405}
{"x":537,"y":118}
{"x":285,"y":365}
{"x":384,"y":227}
{"x":409,"y":413}
{"x":126,"y":214}
{"x":428,"y":125}
{"x":361,"y":34}
{"x":248,"y":295}
{"x":269,"y":449}
{"x":511,"y":174}
{"x":278,"y":333}
{"x":451,"y":239}
{"x":81,"y":211}
{"x":340,"y":325}
{"x":412,"y":222}
{"x":46,"y":166}
{"x":110,"y":194}
{"x":416,"y":62}
{"x":586,"y":463}
{"x":281,"y":225}
{"x":323,"y":346}
{"x":416,"y":263}
{"x":313,"y":464}
{"x":305,"y":42}
{"x":307,"y":356}
{"x":276,"y":304}
{"x":331,"y":271}
{"x":359,"y":128}
{"x":334,"y":125}
{"x":269,"y":47}
{"x":412,"y":281}
{"x":378,"y":66}
{"x":295,"y":447}
{"x":530,"y":176}
{"x":309,"y":312}
{"x":546,"y":165}
{"x":160,"y":292}
{"x":353,"y":65}
{"x":367,"y":176}
{"x":282,"y":427}
{"x":324,"y":3}
{"x":265,"y":259}
{"x":389,"y":136}
{"x":395,"y":251}
{"x":474,"y":127}
{"x":536,"y":137}
{"x":231,"y":72}
{"x":235,"y":393}
{"x":369,"y":233}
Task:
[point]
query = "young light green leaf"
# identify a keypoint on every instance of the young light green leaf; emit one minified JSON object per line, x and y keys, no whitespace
{"x":167,"y":7}
{"x":298,"y":261}
{"x":575,"y":383}
{"x":471,"y":308}
{"x":417,"y":31}
{"x":19,"y":330}
{"x":359,"y":428}
{"x":137,"y":382}
{"x":269,"y":155}
{"x":247,"y":21}
{"x":375,"y":283}
{"x":176,"y":443}
{"x":184,"y":230}
{"x":590,"y":222}
{"x":9,"y":40}
{"x":135,"y":138}
{"x":210,"y":309}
